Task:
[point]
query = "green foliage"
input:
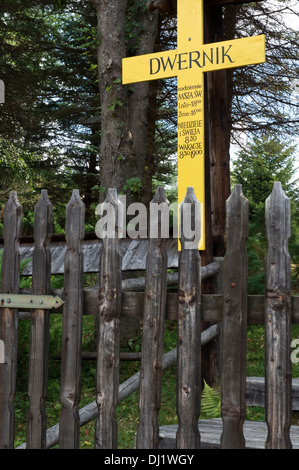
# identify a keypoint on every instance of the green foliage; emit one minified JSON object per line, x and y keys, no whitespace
{"x":23,"y":264}
{"x":170,"y":335}
{"x":133,"y":27}
{"x":264,"y":161}
{"x":255,"y":365}
{"x":49,"y":68}
{"x":256,"y":252}
{"x":15,"y":168}
{"x":60,"y":3}
{"x":211,"y":402}
{"x":114,"y":104}
{"x":133,"y":185}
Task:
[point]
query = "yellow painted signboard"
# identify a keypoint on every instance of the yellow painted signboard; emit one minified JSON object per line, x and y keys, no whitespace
{"x":188,"y":63}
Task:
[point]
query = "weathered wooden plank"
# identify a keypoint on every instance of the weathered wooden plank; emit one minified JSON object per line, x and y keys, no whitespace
{"x":136,"y":284}
{"x":123,"y":356}
{"x":39,"y":332}
{"x":278,"y":370}
{"x":108,"y":319}
{"x":189,"y":324}
{"x":255,"y":392}
{"x":255,"y":433}
{"x":9,"y":319}
{"x":133,"y":252}
{"x":72,"y":325}
{"x":211,"y":306}
{"x":234,"y":326}
{"x":153,"y":334}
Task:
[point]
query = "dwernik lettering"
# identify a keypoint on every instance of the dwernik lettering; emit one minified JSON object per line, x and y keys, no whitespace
{"x":188,"y":60}
{"x":225,"y":54}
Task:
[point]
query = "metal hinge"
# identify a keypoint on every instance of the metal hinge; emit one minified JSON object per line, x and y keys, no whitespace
{"x":29,"y":301}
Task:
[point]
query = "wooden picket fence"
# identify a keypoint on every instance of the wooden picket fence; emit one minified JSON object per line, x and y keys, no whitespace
{"x":234,"y":309}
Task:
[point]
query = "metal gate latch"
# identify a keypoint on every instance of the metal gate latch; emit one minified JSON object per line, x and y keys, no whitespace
{"x":29,"y":301}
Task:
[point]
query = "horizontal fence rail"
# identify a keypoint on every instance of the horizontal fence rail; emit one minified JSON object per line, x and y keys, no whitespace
{"x":148,"y":299}
{"x":211,"y":306}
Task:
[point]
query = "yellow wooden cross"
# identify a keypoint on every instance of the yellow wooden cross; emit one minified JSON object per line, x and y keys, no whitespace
{"x":188,"y":62}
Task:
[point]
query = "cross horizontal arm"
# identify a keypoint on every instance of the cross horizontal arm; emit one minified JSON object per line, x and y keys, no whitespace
{"x":206,"y":58}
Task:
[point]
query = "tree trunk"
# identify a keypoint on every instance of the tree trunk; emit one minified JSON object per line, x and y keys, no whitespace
{"x":218,"y":133}
{"x":124,"y":109}
{"x":229,"y":25}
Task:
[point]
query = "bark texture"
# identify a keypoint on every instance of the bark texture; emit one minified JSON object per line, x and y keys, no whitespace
{"x":125,"y":109}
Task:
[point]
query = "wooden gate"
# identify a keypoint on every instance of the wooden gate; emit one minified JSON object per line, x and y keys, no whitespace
{"x":230,"y":312}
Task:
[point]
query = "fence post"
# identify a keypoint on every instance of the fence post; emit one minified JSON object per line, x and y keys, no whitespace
{"x":108,"y":321}
{"x":9,"y":319}
{"x":189,"y":325}
{"x":39,"y":332}
{"x":69,"y":429}
{"x":153,"y":329}
{"x":278,"y":369}
{"x":234,"y":326}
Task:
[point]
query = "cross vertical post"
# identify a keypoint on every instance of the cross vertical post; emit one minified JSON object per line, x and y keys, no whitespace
{"x":190,"y":84}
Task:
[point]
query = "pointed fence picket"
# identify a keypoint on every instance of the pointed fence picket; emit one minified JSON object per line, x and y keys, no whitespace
{"x":153,"y":334}
{"x":69,"y":431}
{"x":278,"y":370}
{"x":234,"y":310}
{"x":108,"y":321}
{"x":40,"y":324}
{"x":9,"y":319}
{"x":189,"y":328}
{"x":234,"y":325}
